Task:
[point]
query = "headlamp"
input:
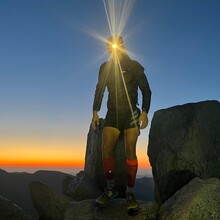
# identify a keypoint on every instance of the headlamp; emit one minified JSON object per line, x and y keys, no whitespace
{"x":115,"y":42}
{"x":114,"y":45}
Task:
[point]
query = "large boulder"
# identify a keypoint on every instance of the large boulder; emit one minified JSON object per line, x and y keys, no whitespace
{"x":198,"y":200}
{"x":93,"y":160}
{"x":184,"y":142}
{"x":9,"y":210}
{"x":85,"y":210}
{"x":80,"y":187}
{"x":48,"y":203}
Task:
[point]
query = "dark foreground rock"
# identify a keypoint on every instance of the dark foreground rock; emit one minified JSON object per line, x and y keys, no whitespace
{"x":184,"y":143}
{"x":80,"y":187}
{"x":116,"y":210}
{"x":198,"y":200}
{"x":54,"y":206}
{"x":48,"y":203}
{"x":10,"y":211}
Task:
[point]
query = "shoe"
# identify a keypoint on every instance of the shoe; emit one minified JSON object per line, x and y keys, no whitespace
{"x":131,"y":201}
{"x":108,"y":194}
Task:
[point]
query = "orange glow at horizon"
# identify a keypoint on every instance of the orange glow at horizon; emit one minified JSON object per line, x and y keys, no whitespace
{"x":42,"y":163}
{"x":25,"y":162}
{"x":38,"y":152}
{"x":53,"y":153}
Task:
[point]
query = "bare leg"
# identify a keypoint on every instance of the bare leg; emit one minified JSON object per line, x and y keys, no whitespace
{"x":131,"y":136}
{"x":109,"y":139}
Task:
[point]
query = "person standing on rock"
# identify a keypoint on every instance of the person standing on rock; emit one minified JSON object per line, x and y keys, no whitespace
{"x":122,"y":77}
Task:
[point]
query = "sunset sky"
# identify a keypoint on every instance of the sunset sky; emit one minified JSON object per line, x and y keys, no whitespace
{"x":50,"y":54}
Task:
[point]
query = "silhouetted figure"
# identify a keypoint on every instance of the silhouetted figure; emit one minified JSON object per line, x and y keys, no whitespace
{"x":122,"y":77}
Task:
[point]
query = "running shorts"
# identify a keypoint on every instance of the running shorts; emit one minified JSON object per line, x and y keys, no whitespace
{"x":122,"y":120}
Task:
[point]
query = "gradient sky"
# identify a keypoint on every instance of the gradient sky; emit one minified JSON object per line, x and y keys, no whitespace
{"x":50,"y":58}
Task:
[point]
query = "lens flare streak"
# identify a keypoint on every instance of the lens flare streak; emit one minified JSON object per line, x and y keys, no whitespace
{"x":117,"y":13}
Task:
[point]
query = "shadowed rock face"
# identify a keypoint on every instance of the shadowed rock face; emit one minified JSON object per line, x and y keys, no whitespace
{"x":184,"y":143}
{"x":48,"y":203}
{"x":8,"y":210}
{"x":200,"y":199}
{"x":80,"y":187}
{"x":93,"y":160}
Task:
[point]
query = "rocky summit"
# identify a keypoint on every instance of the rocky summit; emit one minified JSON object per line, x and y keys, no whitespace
{"x":52,"y":205}
{"x":184,"y":152}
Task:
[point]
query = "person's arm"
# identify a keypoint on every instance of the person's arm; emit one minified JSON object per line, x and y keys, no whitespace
{"x":143,"y":120}
{"x":146,"y":92}
{"x":99,"y":92}
{"x":146,"y":95}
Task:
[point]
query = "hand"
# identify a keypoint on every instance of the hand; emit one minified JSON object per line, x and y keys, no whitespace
{"x":95,"y":120}
{"x":143,"y":120}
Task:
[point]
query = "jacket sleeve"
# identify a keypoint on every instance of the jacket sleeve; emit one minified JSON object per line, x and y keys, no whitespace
{"x":100,"y":88}
{"x":144,"y":87}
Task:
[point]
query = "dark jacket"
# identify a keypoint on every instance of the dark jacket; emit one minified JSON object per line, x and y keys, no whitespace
{"x":122,"y":81}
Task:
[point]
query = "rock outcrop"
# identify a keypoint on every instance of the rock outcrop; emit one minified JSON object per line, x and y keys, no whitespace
{"x":48,"y":203}
{"x":8,"y":210}
{"x":184,"y":143}
{"x":80,"y":187}
{"x":198,"y":200}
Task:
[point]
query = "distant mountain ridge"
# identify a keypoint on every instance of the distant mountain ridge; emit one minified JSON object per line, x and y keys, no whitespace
{"x":144,"y":189}
{"x":14,"y":186}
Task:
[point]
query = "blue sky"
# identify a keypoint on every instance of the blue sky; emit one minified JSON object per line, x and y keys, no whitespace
{"x":49,"y":62}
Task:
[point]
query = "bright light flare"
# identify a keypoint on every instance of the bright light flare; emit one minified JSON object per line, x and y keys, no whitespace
{"x":117,"y":13}
{"x":114,"y":46}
